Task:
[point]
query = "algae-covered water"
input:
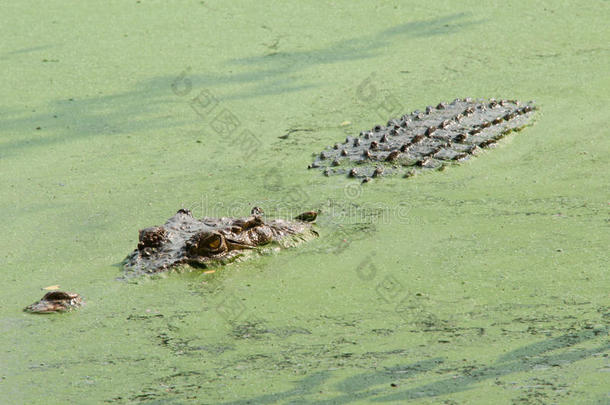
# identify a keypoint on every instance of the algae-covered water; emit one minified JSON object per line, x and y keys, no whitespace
{"x":486,"y":283}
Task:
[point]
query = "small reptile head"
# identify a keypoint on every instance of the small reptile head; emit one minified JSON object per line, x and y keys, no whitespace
{"x":55,"y":301}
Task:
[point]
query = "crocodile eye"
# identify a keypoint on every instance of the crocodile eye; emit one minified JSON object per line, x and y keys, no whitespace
{"x":215,"y":242}
{"x":206,"y":243}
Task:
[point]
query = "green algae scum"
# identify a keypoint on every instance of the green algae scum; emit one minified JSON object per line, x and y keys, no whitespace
{"x":486,"y":283}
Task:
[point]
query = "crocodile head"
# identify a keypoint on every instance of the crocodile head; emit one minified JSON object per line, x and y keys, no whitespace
{"x":211,"y":241}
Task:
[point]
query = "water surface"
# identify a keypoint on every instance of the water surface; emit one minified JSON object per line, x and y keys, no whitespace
{"x":485,"y":283}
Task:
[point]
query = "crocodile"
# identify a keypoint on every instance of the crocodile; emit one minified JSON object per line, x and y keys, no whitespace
{"x":441,"y":135}
{"x":425,"y":140}
{"x":207,"y":242}
{"x":56,"y":301}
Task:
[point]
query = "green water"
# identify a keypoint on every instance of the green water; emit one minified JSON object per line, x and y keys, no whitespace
{"x":487,"y":283}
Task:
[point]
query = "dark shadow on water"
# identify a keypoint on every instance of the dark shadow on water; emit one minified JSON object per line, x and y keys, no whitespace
{"x":363,"y":47}
{"x":142,"y":108}
{"x":391,"y":40}
{"x":361,"y":382}
{"x":523,"y":363}
{"x":68,"y":119}
{"x":276,"y":72}
{"x":372,"y":386}
{"x":306,"y":386}
{"x":22,"y":51}
{"x":445,"y":25}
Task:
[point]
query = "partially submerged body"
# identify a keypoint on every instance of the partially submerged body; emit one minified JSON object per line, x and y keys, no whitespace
{"x":449,"y":132}
{"x":184,"y":239}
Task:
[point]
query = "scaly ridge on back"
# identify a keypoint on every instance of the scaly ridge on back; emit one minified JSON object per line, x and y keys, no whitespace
{"x":441,"y":135}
